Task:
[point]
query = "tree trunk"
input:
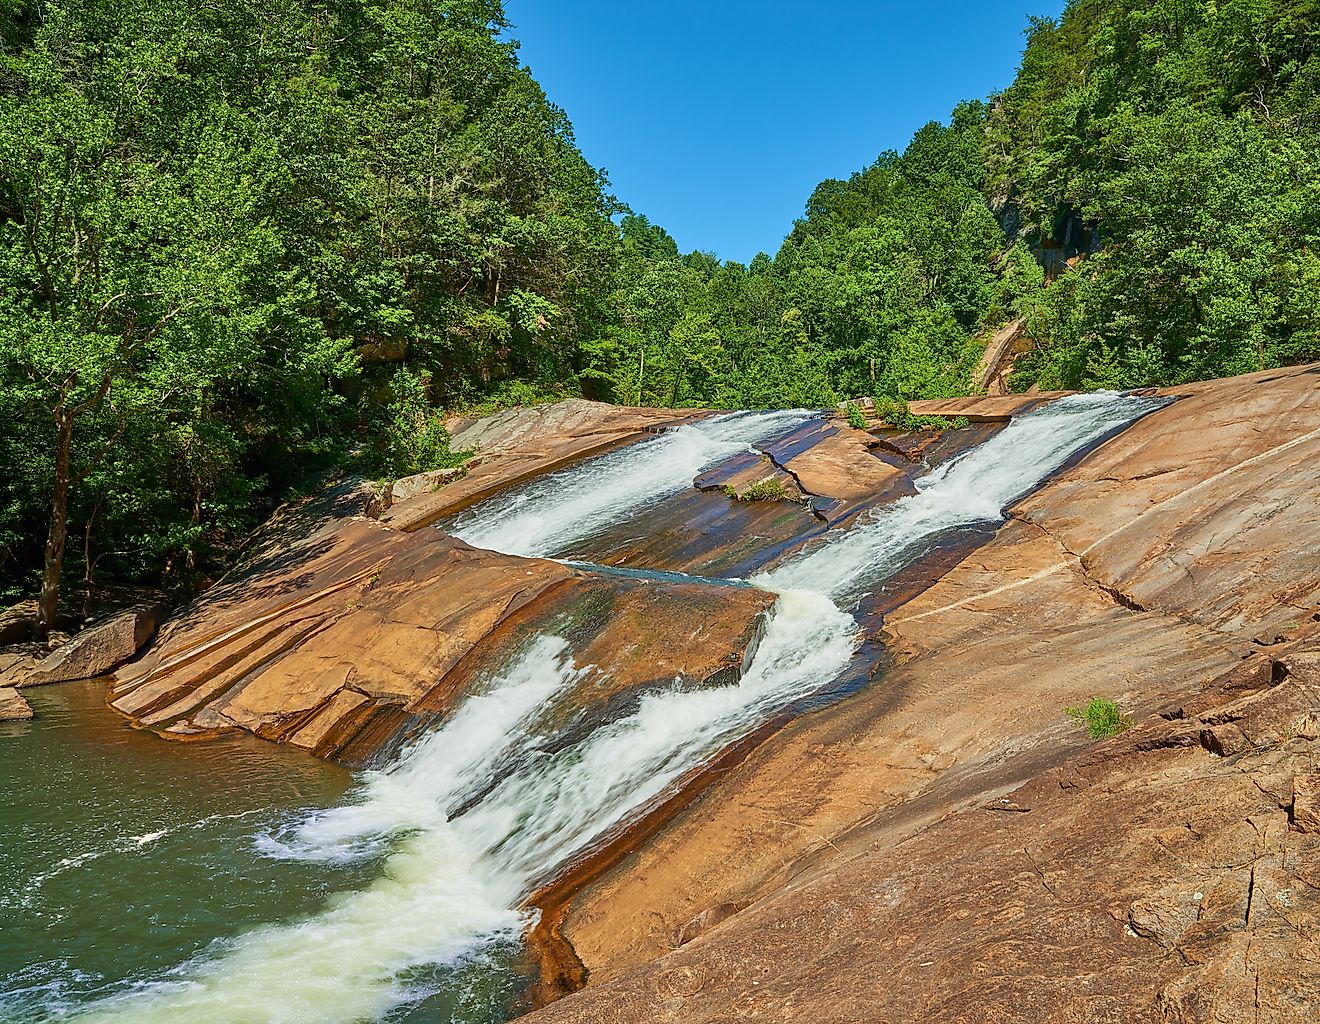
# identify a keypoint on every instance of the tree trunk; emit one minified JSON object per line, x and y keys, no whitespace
{"x":49,"y":602}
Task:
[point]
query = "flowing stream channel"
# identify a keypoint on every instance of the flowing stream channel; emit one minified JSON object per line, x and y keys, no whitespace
{"x":434,"y":854}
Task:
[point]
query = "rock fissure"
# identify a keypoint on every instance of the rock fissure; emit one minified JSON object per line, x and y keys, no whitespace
{"x":807,"y":493}
{"x":1079,"y":562}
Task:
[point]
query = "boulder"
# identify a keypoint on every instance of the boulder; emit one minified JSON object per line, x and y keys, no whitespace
{"x":100,"y":648}
{"x":17,"y":662}
{"x":13,"y":707}
{"x":16,"y":623}
{"x":420,"y":483}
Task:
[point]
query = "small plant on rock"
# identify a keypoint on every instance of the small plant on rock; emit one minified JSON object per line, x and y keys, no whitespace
{"x":856,"y":418}
{"x":1101,"y":718}
{"x":769,"y":489}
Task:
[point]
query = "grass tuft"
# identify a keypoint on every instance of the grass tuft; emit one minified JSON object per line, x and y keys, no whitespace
{"x":1101,"y":718}
{"x":769,"y":489}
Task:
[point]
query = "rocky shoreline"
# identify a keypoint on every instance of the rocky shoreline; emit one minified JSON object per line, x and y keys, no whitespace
{"x":944,"y":846}
{"x":935,"y":840}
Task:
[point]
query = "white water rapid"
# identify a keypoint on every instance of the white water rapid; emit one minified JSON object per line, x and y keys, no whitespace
{"x":450,"y":883}
{"x":561,"y":509}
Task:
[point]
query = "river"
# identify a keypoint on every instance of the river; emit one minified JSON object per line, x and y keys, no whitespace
{"x":272,"y":895}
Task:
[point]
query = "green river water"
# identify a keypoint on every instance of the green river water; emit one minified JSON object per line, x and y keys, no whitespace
{"x":124,"y":857}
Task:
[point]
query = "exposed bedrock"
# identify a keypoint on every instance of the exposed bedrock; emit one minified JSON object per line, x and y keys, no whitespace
{"x":945,"y":846}
{"x":339,"y":635}
{"x":518,"y":444}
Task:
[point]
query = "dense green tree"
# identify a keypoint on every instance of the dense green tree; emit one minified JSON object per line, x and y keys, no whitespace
{"x":239,"y":243}
{"x":236,"y":239}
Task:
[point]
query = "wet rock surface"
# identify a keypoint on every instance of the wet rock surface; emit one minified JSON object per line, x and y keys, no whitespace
{"x":339,"y":634}
{"x":944,"y":846}
{"x":518,"y":444}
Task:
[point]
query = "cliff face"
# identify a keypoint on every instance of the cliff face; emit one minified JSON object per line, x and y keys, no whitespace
{"x":945,"y":846}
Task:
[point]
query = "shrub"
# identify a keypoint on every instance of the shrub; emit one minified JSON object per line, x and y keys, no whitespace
{"x":1101,"y":718}
{"x":896,"y":413}
{"x":769,"y":489}
{"x":856,"y":418}
{"x":411,"y":436}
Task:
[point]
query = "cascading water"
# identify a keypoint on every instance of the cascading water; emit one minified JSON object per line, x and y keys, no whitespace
{"x":456,"y":871}
{"x":561,"y":509}
{"x":973,"y":488}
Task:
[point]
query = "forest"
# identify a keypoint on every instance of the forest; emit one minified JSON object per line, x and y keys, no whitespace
{"x":243,"y":244}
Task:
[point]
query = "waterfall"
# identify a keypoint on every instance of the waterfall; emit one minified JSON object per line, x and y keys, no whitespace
{"x":453,"y":872}
{"x":973,"y":488}
{"x":560,"y":509}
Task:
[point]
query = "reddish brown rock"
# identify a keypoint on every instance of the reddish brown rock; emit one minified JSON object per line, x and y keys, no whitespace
{"x":987,"y":408}
{"x":1147,"y":882}
{"x":13,"y":706}
{"x":1207,"y":508}
{"x":871,"y":833}
{"x":842,"y":466}
{"x":1306,"y":802}
{"x":1001,"y":351}
{"x":420,"y":483}
{"x":98,"y":649}
{"x":517,"y":444}
{"x":338,"y":634}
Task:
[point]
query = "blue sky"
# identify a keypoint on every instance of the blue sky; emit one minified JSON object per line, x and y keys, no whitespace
{"x":716,"y":120}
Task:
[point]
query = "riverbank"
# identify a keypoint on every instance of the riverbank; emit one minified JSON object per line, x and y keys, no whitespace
{"x":891,"y":839}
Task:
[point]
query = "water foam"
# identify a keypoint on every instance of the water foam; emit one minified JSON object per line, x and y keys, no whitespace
{"x":561,"y":509}
{"x":456,"y":871}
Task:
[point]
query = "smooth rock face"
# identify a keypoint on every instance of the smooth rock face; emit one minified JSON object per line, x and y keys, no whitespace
{"x":13,"y":706}
{"x":513,"y":429}
{"x":990,"y":407}
{"x":1208,"y":508}
{"x":338,"y":634}
{"x":518,"y":444}
{"x":945,"y":846}
{"x":1142,"y":880}
{"x":98,"y":649}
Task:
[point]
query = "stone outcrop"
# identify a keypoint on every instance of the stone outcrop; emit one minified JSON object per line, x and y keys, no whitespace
{"x":338,"y":634}
{"x":515,"y":445}
{"x":945,"y":846}
{"x":514,"y":429}
{"x":991,"y":408}
{"x":992,"y":370}
{"x":419,"y":483}
{"x":942,"y":845}
{"x":13,"y":706}
{"x":1145,"y":879}
{"x":98,"y":649}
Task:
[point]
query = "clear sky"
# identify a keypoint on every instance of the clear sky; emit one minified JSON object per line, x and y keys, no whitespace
{"x":717,"y":119}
